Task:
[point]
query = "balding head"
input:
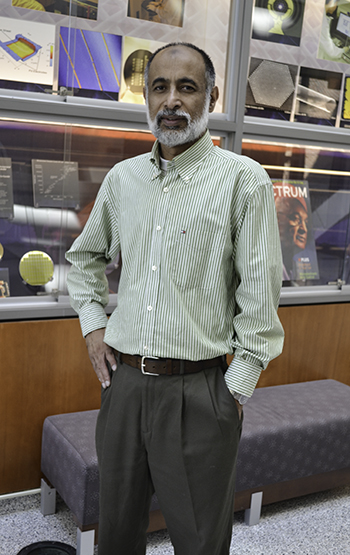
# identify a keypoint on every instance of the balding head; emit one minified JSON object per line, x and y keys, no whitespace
{"x":208,"y":64}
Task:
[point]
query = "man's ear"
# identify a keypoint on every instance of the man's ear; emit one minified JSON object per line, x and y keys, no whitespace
{"x":214,"y":95}
{"x":144,"y":93}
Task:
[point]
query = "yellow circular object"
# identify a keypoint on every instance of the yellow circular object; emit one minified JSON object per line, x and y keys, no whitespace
{"x":36,"y":268}
{"x":1,"y":251}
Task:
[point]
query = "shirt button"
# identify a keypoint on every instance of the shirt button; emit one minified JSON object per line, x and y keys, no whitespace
{"x":149,"y":308}
{"x":166,"y":190}
{"x":158,"y":228}
{"x":154,"y":268}
{"x":145,"y":348}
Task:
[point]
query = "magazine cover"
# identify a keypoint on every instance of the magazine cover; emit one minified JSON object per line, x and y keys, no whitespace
{"x":292,"y":202}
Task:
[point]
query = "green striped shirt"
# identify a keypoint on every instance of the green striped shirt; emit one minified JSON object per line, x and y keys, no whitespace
{"x":201,"y":270}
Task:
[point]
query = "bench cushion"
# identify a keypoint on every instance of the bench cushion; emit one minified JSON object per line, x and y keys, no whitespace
{"x":293,"y":431}
{"x":289,"y":432}
{"x":69,"y":462}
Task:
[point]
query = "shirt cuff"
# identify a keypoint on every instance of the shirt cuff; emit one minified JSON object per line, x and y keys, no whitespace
{"x":92,"y":317}
{"x":242,"y":376}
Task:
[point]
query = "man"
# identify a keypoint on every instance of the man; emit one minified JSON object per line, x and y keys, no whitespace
{"x":201,"y":276}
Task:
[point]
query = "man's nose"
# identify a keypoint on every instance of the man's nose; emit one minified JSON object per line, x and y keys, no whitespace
{"x":173,"y":100}
{"x":302,"y":227}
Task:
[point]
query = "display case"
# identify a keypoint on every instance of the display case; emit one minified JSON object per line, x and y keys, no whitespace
{"x":297,"y":125}
{"x":47,"y":200}
{"x":71,"y":79}
{"x":312,"y":195}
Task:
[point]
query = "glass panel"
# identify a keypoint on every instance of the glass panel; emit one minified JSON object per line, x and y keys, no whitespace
{"x":67,"y":54}
{"x":299,"y":58}
{"x":312,"y":195}
{"x":49,"y":177}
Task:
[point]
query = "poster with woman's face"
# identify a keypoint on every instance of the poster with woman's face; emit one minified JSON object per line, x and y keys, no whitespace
{"x":294,"y":223}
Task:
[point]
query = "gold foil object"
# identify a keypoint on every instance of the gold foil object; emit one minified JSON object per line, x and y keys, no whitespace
{"x":36,"y":268}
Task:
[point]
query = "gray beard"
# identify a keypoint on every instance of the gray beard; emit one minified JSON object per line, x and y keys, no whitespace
{"x":175,"y":137}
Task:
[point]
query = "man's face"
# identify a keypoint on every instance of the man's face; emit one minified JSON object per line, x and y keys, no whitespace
{"x":293,"y":223}
{"x":178,"y":103}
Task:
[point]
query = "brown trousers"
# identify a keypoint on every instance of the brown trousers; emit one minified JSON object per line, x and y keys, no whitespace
{"x":178,"y":436}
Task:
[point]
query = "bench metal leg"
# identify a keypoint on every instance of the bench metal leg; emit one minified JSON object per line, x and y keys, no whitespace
{"x":48,"y":499}
{"x":252,"y":515}
{"x":85,"y":542}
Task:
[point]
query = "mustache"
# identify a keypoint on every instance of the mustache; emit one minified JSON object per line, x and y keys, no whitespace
{"x":168,"y":112}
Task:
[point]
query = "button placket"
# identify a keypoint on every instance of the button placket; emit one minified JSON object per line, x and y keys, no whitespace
{"x":153,"y":282}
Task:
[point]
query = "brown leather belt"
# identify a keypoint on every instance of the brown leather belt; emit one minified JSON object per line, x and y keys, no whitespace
{"x":168,"y":366}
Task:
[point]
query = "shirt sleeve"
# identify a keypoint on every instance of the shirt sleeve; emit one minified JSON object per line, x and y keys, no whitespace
{"x":89,"y":255}
{"x":258,"y":272}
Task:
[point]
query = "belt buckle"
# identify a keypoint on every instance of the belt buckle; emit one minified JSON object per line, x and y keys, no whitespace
{"x":143,"y":365}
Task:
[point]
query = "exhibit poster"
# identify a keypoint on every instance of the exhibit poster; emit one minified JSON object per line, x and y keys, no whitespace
{"x":136,"y":53}
{"x":55,"y":184}
{"x":77,"y":8}
{"x":345,"y":118}
{"x":292,"y":200}
{"x":317,"y":96}
{"x":334,"y":42}
{"x":169,"y":12}
{"x":270,"y":89}
{"x":26,"y":51}
{"x":278,"y":21}
{"x":6,"y":188}
{"x":89,"y":60}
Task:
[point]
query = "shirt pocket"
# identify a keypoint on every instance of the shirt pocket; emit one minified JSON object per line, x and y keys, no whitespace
{"x":195,"y":256}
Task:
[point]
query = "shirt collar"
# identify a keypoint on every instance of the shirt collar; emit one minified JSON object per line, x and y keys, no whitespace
{"x":188,"y":161}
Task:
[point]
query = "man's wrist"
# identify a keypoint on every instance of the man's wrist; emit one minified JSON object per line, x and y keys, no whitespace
{"x":242,"y":376}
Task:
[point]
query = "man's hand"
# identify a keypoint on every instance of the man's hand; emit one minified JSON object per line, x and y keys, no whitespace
{"x":240,"y":409}
{"x":100,"y":353}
